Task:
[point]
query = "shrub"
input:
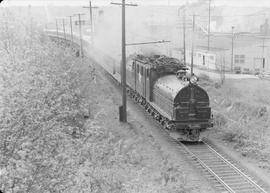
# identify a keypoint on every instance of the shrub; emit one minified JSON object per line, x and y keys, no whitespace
{"x":40,"y":110}
{"x":219,"y":120}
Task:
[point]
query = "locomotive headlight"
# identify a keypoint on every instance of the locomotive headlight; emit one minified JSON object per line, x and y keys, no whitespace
{"x":193,"y":79}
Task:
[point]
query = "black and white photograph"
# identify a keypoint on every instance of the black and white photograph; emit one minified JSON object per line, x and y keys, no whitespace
{"x":134,"y":96}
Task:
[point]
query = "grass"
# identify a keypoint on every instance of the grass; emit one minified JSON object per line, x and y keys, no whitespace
{"x":241,"y":115}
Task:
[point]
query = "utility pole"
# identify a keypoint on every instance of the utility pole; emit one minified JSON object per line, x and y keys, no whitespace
{"x":64,"y":29}
{"x":123,"y":108}
{"x":192,"y":46}
{"x":232,"y":49}
{"x":184,"y":32}
{"x":91,"y":20}
{"x":209,"y":23}
{"x":263,"y":46}
{"x":80,"y":31}
{"x":184,"y":35}
{"x":71,"y":32}
{"x":57,"y":28}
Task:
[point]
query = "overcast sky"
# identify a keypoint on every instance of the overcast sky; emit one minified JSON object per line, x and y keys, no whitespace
{"x":249,"y":3}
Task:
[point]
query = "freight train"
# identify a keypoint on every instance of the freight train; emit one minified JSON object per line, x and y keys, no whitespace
{"x":174,"y":98}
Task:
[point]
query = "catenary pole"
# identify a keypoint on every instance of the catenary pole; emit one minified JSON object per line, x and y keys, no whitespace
{"x":57,"y":28}
{"x":209,"y":23}
{"x":64,"y":29}
{"x":192,"y":46}
{"x":80,"y":31}
{"x":71,"y":30}
{"x":123,"y":109}
{"x":263,"y":46}
{"x":184,"y":34}
{"x":124,"y":98}
{"x":232,"y":48}
{"x":91,"y":20}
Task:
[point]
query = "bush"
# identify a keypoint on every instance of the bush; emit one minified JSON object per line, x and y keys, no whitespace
{"x":217,"y":85}
{"x":219,"y":120}
{"x":205,"y":77}
{"x":40,"y":110}
{"x":204,"y":80}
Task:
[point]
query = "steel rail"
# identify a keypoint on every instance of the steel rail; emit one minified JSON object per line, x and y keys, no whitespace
{"x":208,"y":169}
{"x":235,"y":168}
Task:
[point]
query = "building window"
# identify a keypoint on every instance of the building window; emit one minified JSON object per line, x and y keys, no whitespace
{"x":211,"y":57}
{"x":239,"y":59}
{"x":199,"y":55}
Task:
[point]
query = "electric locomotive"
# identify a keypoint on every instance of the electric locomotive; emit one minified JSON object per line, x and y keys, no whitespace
{"x":162,"y":86}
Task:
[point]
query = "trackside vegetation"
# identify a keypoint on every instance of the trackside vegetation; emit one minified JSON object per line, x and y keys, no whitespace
{"x":59,"y":129}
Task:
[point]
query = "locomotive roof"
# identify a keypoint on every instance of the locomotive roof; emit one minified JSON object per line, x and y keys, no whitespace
{"x":171,"y":85}
{"x":161,"y":63}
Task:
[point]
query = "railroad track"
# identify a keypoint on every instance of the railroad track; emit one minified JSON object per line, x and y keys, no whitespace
{"x":222,"y":173}
{"x":225,"y":175}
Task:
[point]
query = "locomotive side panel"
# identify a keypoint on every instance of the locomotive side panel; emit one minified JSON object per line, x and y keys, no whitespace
{"x":130,"y":78}
{"x":163,"y":102}
{"x":147,"y":84}
{"x":142,"y":79}
{"x":164,"y":90}
{"x":139,"y":86}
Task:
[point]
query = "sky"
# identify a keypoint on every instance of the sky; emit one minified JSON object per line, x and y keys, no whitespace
{"x":239,"y":3}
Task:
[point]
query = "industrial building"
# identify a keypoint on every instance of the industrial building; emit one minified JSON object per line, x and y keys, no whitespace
{"x":244,"y":53}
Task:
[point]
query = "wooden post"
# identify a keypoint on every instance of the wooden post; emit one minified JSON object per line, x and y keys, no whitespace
{"x":71,"y":32}
{"x":80,"y":31}
{"x":91,"y":20}
{"x":123,"y":108}
{"x":64,"y":29}
{"x":57,"y":29}
{"x":192,"y":46}
{"x":124,"y":97}
{"x":232,"y":49}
